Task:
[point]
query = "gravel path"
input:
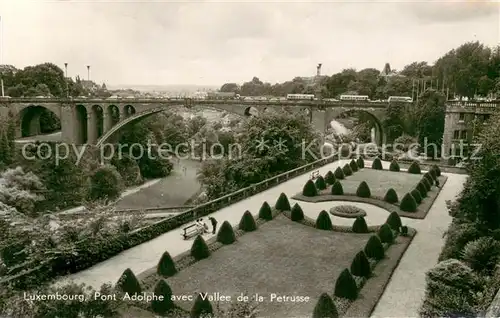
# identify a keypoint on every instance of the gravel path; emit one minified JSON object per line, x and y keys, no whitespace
{"x":402,"y":296}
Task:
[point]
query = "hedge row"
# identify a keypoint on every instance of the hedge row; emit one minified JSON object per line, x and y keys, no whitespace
{"x":412,"y":199}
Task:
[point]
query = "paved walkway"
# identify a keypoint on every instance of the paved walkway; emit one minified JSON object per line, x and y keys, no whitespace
{"x":400,"y":296}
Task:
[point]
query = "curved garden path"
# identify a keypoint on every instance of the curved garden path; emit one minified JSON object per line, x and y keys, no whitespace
{"x":402,"y":295}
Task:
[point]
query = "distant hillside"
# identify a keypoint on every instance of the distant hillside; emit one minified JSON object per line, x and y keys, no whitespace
{"x":165,"y":88}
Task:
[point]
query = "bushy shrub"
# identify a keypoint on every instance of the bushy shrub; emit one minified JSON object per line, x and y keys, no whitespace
{"x":385,"y":233}
{"x":345,"y":286}
{"x":347,"y":170}
{"x":329,"y":177}
{"x":128,"y":283}
{"x":325,"y":307}
{"x":154,"y":166}
{"x":339,"y":174}
{"x":128,"y":169}
{"x":265,"y":212}
{"x":309,"y":189}
{"x":360,"y":265}
{"x":482,"y":254}
{"x":457,"y":236}
{"x":337,"y":188}
{"x":282,"y":204}
{"x":436,"y":169}
{"x":226,"y":234}
{"x":414,"y":168}
{"x":166,"y":266}
{"x":394,"y":221}
{"x":408,"y":203}
{"x":377,"y":164}
{"x":391,"y":196}
{"x":361,"y":163}
{"x":320,"y":183}
{"x":417,"y":196}
{"x":374,"y":248}
{"x":353,"y":165}
{"x":201,"y":308}
{"x":199,"y":249}
{"x":297,"y":213}
{"x":247,"y":222}
{"x":451,"y":290}
{"x":166,"y":304}
{"x":422,"y":189}
{"x":323,"y":222}
{"x":363,"y":190}
{"x":105,"y":183}
{"x":394,"y":166}
{"x":359,"y":225}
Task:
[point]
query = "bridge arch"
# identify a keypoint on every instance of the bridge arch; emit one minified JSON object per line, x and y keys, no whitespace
{"x":29,"y":119}
{"x":380,"y":137}
{"x":251,"y":111}
{"x":97,"y":114}
{"x":128,"y":110}
{"x":113,"y":113}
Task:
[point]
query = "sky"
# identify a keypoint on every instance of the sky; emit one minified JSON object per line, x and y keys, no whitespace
{"x":211,"y":43}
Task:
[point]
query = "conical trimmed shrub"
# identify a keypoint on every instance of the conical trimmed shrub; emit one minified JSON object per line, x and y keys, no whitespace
{"x":199,"y":249}
{"x":163,"y":306}
{"x":360,"y":265}
{"x":394,"y":221}
{"x":432,"y":172}
{"x":437,"y":170}
{"x":265,"y":212}
{"x":128,"y":283}
{"x":309,"y":189}
{"x":394,"y":166}
{"x":320,"y":183}
{"x":353,"y":165}
{"x":201,"y":308}
{"x":429,"y":178}
{"x":226,"y":234}
{"x":359,"y":225}
{"x":337,"y":189}
{"x":166,"y":266}
{"x":377,"y":164}
{"x":363,"y":190}
{"x":422,"y":189}
{"x":329,"y":177}
{"x":297,"y":213}
{"x":325,"y":307}
{"x":385,"y":234}
{"x":408,"y":203}
{"x":347,"y":170}
{"x":417,"y":196}
{"x":426,"y":183}
{"x":391,"y":196}
{"x":339,"y":174}
{"x":361,"y":163}
{"x":414,"y":168}
{"x":374,"y":248}
{"x":282,"y":204}
{"x":323,"y":222}
{"x":345,"y":286}
{"x":247,"y":222}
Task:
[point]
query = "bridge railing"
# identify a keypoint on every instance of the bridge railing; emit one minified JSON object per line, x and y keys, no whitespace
{"x":29,"y":273}
{"x":473,"y":104}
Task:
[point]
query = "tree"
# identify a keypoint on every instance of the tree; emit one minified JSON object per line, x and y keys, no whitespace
{"x":230,"y":88}
{"x":430,"y":121}
{"x":394,"y":122}
{"x":105,"y":183}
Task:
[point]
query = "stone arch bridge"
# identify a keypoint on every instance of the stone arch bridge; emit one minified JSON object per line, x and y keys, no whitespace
{"x":94,"y":121}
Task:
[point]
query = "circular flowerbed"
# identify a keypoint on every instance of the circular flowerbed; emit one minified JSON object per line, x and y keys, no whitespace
{"x":347,"y":211}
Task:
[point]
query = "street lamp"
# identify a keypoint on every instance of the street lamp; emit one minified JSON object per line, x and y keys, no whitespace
{"x":88,"y":73}
{"x":66,"y":79}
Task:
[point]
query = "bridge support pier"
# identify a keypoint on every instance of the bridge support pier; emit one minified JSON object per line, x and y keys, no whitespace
{"x":91,"y":129}
{"x":318,"y":120}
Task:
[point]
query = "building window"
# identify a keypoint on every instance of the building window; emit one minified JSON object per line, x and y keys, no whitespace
{"x":456,"y":134}
{"x":461,"y":117}
{"x":463,"y":134}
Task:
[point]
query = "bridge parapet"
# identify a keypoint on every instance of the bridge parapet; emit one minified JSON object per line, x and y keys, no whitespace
{"x":462,"y":104}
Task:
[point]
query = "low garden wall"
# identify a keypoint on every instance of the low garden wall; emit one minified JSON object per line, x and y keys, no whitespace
{"x":91,"y":252}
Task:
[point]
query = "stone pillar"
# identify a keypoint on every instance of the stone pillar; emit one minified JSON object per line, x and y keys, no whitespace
{"x":450,"y":124}
{"x":91,"y":128}
{"x":318,"y":120}
{"x":107,"y":122}
{"x":70,"y":125}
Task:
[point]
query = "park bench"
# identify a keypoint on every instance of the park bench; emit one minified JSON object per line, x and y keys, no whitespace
{"x":315,"y":174}
{"x":190,"y":231}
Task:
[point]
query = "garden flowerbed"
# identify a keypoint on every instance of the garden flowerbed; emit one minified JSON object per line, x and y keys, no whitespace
{"x":347,"y":211}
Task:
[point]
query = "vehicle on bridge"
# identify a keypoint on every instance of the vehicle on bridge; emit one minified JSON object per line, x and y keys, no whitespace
{"x":300,"y":97}
{"x":222,"y":95}
{"x":405,"y":99}
{"x":354,"y":98}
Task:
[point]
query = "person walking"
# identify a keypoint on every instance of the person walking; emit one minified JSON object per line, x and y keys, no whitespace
{"x":214,"y":224}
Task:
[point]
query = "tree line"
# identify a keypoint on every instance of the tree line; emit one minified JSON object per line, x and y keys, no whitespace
{"x":470,"y":70}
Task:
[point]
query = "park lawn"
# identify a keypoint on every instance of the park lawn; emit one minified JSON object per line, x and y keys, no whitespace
{"x":380,"y":181}
{"x":281,"y":257}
